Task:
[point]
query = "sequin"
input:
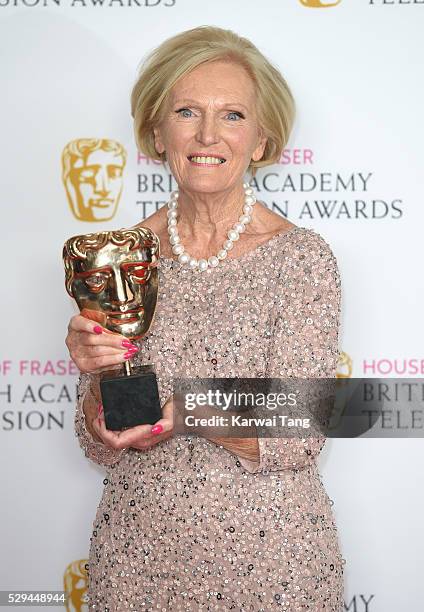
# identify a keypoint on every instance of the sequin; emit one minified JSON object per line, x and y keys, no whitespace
{"x":187,"y":525}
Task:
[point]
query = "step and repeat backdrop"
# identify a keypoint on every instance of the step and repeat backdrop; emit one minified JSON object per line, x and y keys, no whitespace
{"x":353,"y":171}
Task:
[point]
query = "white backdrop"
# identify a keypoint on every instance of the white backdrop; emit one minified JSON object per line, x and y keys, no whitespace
{"x":67,"y":69}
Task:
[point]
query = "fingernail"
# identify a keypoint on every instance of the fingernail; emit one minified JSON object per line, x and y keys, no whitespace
{"x":100,"y":408}
{"x":156,"y":429}
{"x":133,"y":349}
{"x":97,"y":329}
{"x":128,"y":354}
{"x":127,"y":344}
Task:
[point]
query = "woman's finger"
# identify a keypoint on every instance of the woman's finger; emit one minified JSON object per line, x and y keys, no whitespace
{"x":99,"y":350}
{"x":108,"y":340}
{"x":83,"y":331}
{"x":94,"y":364}
{"x":129,"y":437}
{"x":78,"y":323}
{"x":166,"y":423}
{"x":142,"y":436}
{"x":109,"y":438}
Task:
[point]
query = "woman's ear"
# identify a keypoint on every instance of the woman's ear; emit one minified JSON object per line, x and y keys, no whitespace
{"x":159,"y":146}
{"x":259,"y":151}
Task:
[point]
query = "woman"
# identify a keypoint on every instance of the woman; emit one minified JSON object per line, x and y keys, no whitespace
{"x":190,"y":523}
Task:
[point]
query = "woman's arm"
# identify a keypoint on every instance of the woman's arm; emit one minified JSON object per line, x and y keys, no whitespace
{"x":304,"y":340}
{"x":88,"y":394}
{"x":245,"y":448}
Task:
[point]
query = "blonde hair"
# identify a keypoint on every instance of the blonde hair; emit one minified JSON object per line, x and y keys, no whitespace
{"x":178,"y":55}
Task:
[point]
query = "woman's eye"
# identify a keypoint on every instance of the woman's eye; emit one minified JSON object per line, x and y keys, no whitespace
{"x":183,"y":112}
{"x":235,"y":114}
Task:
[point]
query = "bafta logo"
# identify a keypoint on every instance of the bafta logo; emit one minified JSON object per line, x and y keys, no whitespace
{"x":320,"y":3}
{"x":75,"y":583}
{"x":344,"y":366}
{"x":92,"y":172}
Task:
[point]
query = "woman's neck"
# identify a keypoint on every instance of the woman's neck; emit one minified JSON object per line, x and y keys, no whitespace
{"x":208,"y":217}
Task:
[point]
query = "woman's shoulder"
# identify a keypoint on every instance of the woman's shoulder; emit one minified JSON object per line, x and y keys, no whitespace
{"x":303,"y":253}
{"x":300,"y":242}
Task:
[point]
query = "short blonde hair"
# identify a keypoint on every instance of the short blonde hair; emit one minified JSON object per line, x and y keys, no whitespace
{"x":178,"y":55}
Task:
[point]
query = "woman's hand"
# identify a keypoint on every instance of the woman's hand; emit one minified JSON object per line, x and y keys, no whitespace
{"x":141,"y":437}
{"x":94,"y":348}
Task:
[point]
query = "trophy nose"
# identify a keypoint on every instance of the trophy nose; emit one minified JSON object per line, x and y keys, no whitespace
{"x":121,"y":293}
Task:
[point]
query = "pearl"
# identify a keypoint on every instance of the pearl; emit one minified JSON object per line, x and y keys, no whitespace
{"x":233,"y":233}
{"x":178,"y":249}
{"x":184,"y":258}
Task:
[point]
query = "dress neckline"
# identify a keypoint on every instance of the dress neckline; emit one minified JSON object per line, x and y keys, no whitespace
{"x":247,"y":255}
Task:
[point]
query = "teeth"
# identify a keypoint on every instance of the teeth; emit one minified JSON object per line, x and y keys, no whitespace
{"x":207,"y":160}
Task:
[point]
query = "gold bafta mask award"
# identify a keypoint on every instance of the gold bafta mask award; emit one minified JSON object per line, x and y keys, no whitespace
{"x":115,"y":273}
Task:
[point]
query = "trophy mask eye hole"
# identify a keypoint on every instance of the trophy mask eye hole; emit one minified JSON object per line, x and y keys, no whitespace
{"x":96,"y":282}
{"x":139,"y":275}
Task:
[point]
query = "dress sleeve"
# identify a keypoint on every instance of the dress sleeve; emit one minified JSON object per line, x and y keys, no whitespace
{"x":96,"y":451}
{"x":304,"y":339}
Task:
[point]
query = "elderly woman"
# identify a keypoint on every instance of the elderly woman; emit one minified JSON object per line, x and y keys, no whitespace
{"x":188,"y":522}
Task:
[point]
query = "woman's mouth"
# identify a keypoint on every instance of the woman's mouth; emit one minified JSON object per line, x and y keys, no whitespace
{"x":203,"y":160}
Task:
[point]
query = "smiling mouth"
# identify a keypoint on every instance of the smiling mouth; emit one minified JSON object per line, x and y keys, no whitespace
{"x":203,"y":160}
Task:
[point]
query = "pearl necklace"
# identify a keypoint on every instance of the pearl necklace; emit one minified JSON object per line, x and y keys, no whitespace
{"x":233,"y":234}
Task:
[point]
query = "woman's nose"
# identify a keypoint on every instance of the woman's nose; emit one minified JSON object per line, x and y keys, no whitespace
{"x":208,"y":131}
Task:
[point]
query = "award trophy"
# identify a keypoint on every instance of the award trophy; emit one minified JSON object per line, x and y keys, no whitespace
{"x":115,"y":273}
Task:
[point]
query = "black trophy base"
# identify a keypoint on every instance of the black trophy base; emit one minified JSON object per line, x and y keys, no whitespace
{"x":131,"y":400}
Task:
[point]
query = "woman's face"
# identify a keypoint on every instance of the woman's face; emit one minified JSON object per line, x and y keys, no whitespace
{"x":211,"y":112}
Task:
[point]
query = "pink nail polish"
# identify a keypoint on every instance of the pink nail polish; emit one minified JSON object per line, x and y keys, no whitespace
{"x":127,"y":344}
{"x":133,"y":349}
{"x":100,"y":408}
{"x":156,"y":429}
{"x":128,"y":354}
{"x":97,"y":329}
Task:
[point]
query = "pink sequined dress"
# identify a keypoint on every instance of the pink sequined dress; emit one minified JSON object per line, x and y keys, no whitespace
{"x":187,"y":525}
